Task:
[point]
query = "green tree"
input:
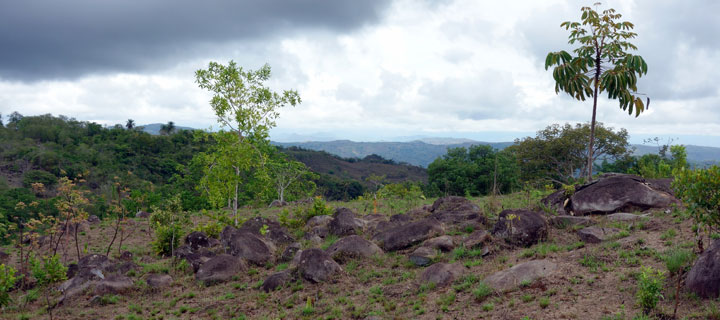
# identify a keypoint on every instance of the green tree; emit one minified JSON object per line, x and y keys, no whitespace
{"x":167,"y":129}
{"x":601,"y":64}
{"x":474,"y":171}
{"x":285,"y":173}
{"x":248,"y":108}
{"x":557,"y":153}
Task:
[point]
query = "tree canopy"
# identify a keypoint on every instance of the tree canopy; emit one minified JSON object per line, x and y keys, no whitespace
{"x":601,"y":63}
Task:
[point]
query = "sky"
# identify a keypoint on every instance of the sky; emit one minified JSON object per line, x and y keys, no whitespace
{"x":371,"y":70}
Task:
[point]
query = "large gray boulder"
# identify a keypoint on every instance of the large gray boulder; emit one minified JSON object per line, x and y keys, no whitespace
{"x":114,"y":284}
{"x":344,"y":223}
{"x":615,"y":193}
{"x":158,"y":280}
{"x":526,"y":272}
{"x":442,"y":274}
{"x":407,"y":235}
{"x":276,"y":280}
{"x":197,"y":240}
{"x":521,"y":227}
{"x":248,"y":245}
{"x":704,"y":277}
{"x":457,"y":211}
{"x":352,"y":247}
{"x":275,"y":233}
{"x":317,"y":266}
{"x":220,"y":268}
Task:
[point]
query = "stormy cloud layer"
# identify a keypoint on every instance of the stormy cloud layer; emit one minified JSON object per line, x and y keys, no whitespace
{"x":366,"y":70}
{"x":67,"y":39}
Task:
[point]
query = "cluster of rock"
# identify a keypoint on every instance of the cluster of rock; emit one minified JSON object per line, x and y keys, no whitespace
{"x":419,"y":233}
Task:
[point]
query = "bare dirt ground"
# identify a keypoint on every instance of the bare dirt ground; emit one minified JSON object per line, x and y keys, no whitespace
{"x":594,"y":281}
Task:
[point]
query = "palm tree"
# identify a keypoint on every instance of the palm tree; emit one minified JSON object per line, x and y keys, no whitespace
{"x":130,"y":124}
{"x":168,"y":128}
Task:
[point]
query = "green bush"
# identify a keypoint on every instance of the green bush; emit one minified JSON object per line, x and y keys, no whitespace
{"x":167,"y":238}
{"x":34,"y":176}
{"x":7,"y":282}
{"x":650,"y":283}
{"x":318,"y":208}
{"x":698,"y":190}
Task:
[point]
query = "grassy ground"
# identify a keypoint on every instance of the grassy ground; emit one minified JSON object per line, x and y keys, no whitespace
{"x":595,"y":281}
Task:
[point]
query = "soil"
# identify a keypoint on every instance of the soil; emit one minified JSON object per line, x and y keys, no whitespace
{"x":594,"y":281}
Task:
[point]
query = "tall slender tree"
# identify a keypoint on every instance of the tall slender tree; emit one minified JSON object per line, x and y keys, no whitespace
{"x":130,"y":124}
{"x":600,"y":64}
{"x":248,"y":108}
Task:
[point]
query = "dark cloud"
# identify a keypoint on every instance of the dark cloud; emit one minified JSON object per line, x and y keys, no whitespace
{"x":66,"y":39}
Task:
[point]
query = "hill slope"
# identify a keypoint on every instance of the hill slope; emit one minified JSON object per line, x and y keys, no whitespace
{"x":356,"y":169}
{"x":422,"y":153}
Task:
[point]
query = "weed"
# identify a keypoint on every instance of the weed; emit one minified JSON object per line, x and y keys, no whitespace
{"x":544,"y":302}
{"x":482,"y":291}
{"x":669,"y":234}
{"x":488,"y":307}
{"x":527,"y":298}
{"x":465,"y":282}
{"x":648,"y":288}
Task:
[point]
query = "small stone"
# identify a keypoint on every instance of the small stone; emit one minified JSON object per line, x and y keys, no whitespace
{"x":597,"y":234}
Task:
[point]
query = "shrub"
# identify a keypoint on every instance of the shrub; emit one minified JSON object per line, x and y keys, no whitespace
{"x":650,"y":283}
{"x":318,"y":208}
{"x":35,"y":176}
{"x":698,"y":190}
{"x":167,"y":239}
{"x":482,"y":291}
{"x":7,"y":282}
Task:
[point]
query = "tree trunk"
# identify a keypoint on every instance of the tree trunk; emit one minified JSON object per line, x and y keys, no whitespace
{"x":594,"y":112}
{"x":235,"y":200}
{"x":77,"y":244}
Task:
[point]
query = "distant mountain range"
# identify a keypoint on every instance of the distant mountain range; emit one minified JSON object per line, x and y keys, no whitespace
{"x":154,"y":128}
{"x":423,"y":152}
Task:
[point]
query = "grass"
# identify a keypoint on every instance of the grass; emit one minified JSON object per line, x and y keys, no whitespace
{"x":482,"y":291}
{"x":541,"y":250}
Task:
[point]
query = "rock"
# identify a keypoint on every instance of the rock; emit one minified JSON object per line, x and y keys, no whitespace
{"x":352,"y":247}
{"x":142,"y":214}
{"x":276,"y":233}
{"x":457,"y":211}
{"x":93,"y":219}
{"x":114,"y":284}
{"x":443,"y":243}
{"x":72,"y":270}
{"x":344,"y":223}
{"x":557,"y":201}
{"x":596,"y":234}
{"x":317,"y":266}
{"x":318,"y":221}
{"x":126,"y":256}
{"x":94,"y":261}
{"x":477,"y":238}
{"x":372,"y":222}
{"x":289,"y":252}
{"x":156,"y":281}
{"x":442,"y":274}
{"x":564,"y":221}
{"x":521,"y":227}
{"x":197,"y":240}
{"x":423,"y":256}
{"x":276,"y":280}
{"x":407,"y":235}
{"x":618,"y":192}
{"x":662,"y":184}
{"x":124,"y":268}
{"x":194,"y":257}
{"x":314,"y":239}
{"x":704,"y":277}
{"x":249,"y":246}
{"x":624,"y":216}
{"x":220,"y":268}
{"x":277,"y":204}
{"x":526,"y":272}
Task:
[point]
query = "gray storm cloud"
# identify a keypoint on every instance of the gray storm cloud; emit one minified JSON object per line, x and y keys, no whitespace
{"x":46,"y":39}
